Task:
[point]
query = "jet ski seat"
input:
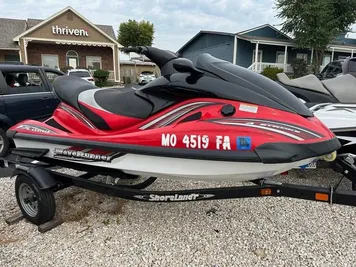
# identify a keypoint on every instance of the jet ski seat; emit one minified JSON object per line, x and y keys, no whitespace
{"x":310,"y":82}
{"x":343,"y":88}
{"x":106,"y":108}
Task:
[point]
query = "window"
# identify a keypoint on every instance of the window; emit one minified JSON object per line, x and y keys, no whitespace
{"x":326,"y":59}
{"x":93,"y":63}
{"x":51,"y":76}
{"x":352,"y":65}
{"x":50,"y":61}
{"x":72,"y":59}
{"x":303,"y":56}
{"x":280,"y":57}
{"x":12,"y":58}
{"x":22,"y":82}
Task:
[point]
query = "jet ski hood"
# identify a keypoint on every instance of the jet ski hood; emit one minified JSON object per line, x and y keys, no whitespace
{"x":252,"y":81}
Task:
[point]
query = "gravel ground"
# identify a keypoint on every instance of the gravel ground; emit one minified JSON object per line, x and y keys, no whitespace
{"x":103,"y":231}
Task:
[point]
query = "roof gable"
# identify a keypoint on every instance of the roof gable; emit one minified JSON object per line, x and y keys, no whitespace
{"x":45,"y":28}
{"x":265,"y":31}
{"x":343,"y":40}
{"x":199,"y":35}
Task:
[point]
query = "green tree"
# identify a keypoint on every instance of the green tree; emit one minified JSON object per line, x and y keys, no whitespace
{"x":316,"y":23}
{"x":136,"y":33}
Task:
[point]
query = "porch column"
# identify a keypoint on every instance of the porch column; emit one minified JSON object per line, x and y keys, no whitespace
{"x":332,"y":54}
{"x":235,"y":50}
{"x":285,"y":58}
{"x":114,"y":60}
{"x":256,"y":56}
{"x":25,"y":42}
{"x":311,"y":56}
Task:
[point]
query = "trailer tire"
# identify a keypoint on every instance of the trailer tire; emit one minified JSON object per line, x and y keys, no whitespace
{"x":37,"y":205}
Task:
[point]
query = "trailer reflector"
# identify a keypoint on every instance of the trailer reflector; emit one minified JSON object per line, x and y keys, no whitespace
{"x":322,"y":196}
{"x":266,"y":192}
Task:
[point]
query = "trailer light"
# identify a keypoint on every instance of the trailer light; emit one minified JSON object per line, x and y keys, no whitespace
{"x":266,"y":192}
{"x":321,"y":197}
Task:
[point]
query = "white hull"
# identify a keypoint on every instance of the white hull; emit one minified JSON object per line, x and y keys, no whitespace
{"x":340,"y":118}
{"x":177,"y":168}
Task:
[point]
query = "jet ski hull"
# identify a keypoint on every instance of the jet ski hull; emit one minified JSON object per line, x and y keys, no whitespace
{"x":341,"y":119}
{"x":165,"y":167}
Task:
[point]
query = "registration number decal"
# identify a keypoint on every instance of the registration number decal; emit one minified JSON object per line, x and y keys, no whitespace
{"x":197,"y":141}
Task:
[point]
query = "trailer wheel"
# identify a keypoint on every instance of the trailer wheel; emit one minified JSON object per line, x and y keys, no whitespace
{"x":37,"y":205}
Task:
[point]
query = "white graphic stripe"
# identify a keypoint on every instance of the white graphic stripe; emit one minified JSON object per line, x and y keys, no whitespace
{"x":279,"y":123}
{"x":193,"y":105}
{"x":263,"y":128}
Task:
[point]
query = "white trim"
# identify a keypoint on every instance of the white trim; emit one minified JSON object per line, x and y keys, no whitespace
{"x":332,"y":54}
{"x":86,"y":60}
{"x":15,"y":49}
{"x":342,"y":48}
{"x":271,"y":42}
{"x":68,"y":8}
{"x":68,"y":41}
{"x":235,"y":51}
{"x":264,"y":26}
{"x":52,"y":55}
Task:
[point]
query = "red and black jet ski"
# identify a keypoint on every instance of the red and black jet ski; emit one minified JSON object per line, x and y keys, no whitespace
{"x":208,"y":121}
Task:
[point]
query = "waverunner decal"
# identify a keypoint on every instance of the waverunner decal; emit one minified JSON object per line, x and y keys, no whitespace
{"x":175,"y":114}
{"x":35,"y":128}
{"x":285,"y":129}
{"x":175,"y":197}
{"x":85,"y":154}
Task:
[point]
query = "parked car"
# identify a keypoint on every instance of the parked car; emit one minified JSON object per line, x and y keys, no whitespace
{"x":82,"y":73}
{"x":146,"y":77}
{"x":26,"y":92}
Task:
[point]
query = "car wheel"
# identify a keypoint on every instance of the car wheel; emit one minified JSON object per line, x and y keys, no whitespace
{"x":4,"y":143}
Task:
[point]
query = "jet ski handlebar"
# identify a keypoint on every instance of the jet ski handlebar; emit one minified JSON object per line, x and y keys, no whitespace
{"x":156,"y":55}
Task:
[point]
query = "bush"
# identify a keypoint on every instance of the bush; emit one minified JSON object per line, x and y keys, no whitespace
{"x":271,"y":72}
{"x":101,"y":77}
{"x":300,"y":67}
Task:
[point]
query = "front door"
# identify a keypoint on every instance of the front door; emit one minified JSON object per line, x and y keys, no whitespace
{"x":73,"y":62}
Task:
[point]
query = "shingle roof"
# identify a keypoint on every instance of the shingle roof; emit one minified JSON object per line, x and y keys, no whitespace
{"x":9,"y":28}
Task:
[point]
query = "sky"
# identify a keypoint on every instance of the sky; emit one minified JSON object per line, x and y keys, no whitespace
{"x":175,"y":21}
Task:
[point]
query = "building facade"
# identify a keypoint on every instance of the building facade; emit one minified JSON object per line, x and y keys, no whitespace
{"x":66,"y":39}
{"x":260,"y":47}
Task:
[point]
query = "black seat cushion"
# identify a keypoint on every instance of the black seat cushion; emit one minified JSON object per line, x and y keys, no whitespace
{"x":67,"y":88}
{"x":123,"y":102}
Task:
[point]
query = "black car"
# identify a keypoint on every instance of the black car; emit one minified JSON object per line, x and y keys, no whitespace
{"x":26,"y":92}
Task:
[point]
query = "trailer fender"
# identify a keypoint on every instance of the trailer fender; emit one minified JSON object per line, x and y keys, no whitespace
{"x":40,"y":175}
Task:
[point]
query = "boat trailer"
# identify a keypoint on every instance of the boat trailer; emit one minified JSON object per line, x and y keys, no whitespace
{"x":37,"y":179}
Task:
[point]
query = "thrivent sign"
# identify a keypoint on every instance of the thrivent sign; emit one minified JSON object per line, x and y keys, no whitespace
{"x":67,"y":31}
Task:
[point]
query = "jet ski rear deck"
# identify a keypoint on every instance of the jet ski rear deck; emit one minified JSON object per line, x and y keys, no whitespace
{"x":44,"y":179}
